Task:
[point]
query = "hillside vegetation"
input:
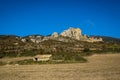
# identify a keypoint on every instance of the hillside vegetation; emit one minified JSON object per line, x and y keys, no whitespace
{"x":68,"y":46}
{"x":12,"y":46}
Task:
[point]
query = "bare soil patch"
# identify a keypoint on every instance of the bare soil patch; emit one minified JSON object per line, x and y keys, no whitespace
{"x":7,"y":59}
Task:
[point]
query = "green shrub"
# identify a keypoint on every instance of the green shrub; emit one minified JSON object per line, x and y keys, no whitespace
{"x":79,"y":58}
{"x":57,"y":57}
{"x":69,"y":57}
{"x":86,"y":50}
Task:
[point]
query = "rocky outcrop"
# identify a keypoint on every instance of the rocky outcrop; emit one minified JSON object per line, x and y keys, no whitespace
{"x":54,"y":35}
{"x":92,"y":39}
{"x":74,"y":33}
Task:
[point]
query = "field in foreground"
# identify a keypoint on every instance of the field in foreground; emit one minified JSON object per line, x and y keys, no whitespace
{"x":98,"y":67}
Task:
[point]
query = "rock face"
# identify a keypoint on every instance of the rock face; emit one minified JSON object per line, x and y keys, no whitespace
{"x":54,"y":35}
{"x":74,"y":33}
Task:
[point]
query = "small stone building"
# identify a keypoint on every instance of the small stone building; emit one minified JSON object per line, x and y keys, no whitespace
{"x":45,"y":57}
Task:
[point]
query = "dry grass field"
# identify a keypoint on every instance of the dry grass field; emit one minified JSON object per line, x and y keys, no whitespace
{"x":98,"y":67}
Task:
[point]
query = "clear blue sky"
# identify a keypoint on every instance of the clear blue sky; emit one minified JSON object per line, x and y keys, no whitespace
{"x":94,"y":17}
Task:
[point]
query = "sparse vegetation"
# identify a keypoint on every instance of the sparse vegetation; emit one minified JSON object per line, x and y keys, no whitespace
{"x":68,"y":57}
{"x":67,"y":51}
{"x":55,"y":59}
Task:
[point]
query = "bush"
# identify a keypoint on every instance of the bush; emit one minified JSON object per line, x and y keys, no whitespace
{"x":86,"y":50}
{"x":57,"y":57}
{"x":79,"y":58}
{"x":69,"y":57}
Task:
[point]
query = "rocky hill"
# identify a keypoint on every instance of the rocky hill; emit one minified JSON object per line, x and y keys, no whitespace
{"x":65,"y":36}
{"x":68,"y":41}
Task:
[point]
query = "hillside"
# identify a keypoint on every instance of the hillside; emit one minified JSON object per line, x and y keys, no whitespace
{"x":69,"y":41}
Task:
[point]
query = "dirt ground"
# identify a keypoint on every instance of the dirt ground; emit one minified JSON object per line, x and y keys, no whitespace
{"x":6,"y":59}
{"x":98,"y":67}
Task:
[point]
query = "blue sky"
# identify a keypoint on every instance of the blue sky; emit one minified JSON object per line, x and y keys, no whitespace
{"x":94,"y":17}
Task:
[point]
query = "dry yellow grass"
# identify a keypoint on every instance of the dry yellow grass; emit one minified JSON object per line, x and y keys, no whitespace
{"x":99,"y":67}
